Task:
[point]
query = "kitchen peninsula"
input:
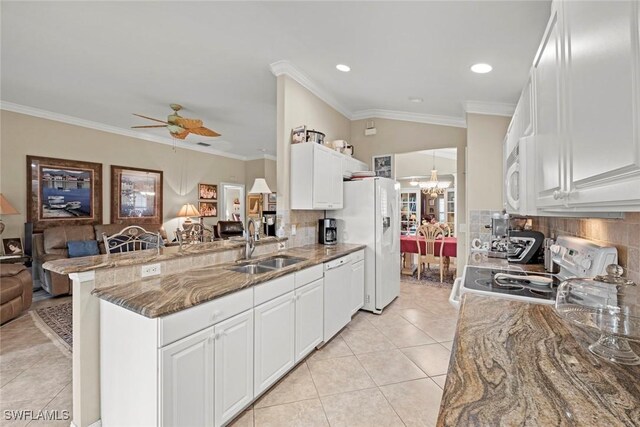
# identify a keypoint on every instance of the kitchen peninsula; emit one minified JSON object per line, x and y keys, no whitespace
{"x":516,"y":363}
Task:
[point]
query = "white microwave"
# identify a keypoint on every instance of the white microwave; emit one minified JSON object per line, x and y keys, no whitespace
{"x":519,"y":178}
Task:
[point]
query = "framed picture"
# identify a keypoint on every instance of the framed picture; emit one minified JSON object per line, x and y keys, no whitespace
{"x":63,"y":192}
{"x":12,"y":246}
{"x":208,"y":192}
{"x":136,"y":196}
{"x":384,"y":166}
{"x":253,"y":205}
{"x":272,"y":198}
{"x":208,"y":209}
{"x":272,"y":206}
{"x":432,"y":202}
{"x":298,"y":134}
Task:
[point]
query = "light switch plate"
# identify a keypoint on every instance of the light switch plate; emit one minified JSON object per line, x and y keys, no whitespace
{"x":150,"y":270}
{"x":294,"y":229}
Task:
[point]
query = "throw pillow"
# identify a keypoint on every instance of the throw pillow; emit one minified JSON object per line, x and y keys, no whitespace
{"x":78,"y":248}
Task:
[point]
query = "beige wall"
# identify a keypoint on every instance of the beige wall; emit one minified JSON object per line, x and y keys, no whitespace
{"x":420,"y":164}
{"x":485,"y":135}
{"x":297,"y":106}
{"x":182,"y":169}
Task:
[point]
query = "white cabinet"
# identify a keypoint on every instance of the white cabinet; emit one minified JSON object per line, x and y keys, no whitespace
{"x":351,"y":165}
{"x":357,"y":285}
{"x":187,"y":381}
{"x":603,"y":103}
{"x":233,"y":366}
{"x":274,"y":340}
{"x":337,"y":296}
{"x":309,"y":318}
{"x":316,"y":177}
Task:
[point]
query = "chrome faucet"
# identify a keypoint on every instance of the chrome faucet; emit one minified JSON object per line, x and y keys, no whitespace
{"x":251,"y":243}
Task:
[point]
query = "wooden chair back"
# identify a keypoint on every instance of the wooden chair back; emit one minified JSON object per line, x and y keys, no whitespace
{"x":429,"y":233}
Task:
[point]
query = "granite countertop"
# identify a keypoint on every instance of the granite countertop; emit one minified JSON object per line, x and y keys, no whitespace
{"x":515,"y":363}
{"x":162,"y":295}
{"x":87,"y":263}
{"x":480,"y":259}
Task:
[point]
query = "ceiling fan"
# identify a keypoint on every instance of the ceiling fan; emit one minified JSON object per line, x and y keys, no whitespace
{"x":179,"y":127}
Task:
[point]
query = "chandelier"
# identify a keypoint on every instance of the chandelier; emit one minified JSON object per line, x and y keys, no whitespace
{"x":433,"y":187}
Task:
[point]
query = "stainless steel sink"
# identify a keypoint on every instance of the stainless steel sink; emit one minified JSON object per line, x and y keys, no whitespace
{"x":251,"y":269}
{"x":278,"y":262}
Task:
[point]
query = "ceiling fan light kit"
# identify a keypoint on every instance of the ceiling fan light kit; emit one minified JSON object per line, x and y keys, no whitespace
{"x":179,"y":127}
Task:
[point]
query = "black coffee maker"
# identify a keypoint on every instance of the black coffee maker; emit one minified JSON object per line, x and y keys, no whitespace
{"x":327,"y":231}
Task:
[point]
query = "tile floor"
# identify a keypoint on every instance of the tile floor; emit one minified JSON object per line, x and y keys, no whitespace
{"x":384,"y":369}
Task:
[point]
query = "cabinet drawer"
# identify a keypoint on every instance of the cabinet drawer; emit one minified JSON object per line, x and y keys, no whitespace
{"x":357,"y":256}
{"x":309,"y":275}
{"x":273,"y":288}
{"x":179,"y":325}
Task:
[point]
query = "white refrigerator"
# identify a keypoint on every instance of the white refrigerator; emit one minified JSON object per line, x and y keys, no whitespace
{"x":370,"y":217}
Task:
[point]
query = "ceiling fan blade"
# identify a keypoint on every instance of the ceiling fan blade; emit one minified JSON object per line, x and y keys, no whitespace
{"x":149,"y":118}
{"x":204,"y":131}
{"x":150,"y":126}
{"x":188,"y":123}
{"x":180,"y":135}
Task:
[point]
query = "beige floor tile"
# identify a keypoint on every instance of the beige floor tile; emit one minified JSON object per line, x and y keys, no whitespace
{"x":416,"y":402}
{"x":360,"y":408}
{"x":7,"y":375}
{"x":306,"y":413}
{"x":407,"y":336}
{"x":339,"y":375}
{"x":334,"y":348}
{"x":14,"y":419}
{"x":388,"y":320}
{"x":366,"y":341}
{"x":439,"y":330}
{"x":440,"y":380}
{"x":390,"y":366}
{"x":244,"y":420}
{"x":359,"y":321}
{"x":433,"y":359}
{"x":447,"y":344}
{"x":297,"y":385}
{"x":41,"y":383}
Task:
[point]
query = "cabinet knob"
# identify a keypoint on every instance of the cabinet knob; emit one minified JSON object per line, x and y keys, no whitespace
{"x":214,"y":315}
{"x":557,"y":195}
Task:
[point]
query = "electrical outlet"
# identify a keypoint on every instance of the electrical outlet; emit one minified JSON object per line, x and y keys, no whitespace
{"x":294,"y":229}
{"x":150,"y":270}
{"x":282,"y":246}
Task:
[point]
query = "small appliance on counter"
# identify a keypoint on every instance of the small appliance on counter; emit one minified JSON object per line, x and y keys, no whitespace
{"x":499,"y":237}
{"x":269,"y":223}
{"x":327,"y":231}
{"x":525,"y":247}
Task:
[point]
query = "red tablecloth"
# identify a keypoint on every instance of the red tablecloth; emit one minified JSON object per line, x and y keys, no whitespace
{"x":408,"y":244}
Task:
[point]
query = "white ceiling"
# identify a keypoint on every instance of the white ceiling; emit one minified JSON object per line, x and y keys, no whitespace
{"x":101,"y":61}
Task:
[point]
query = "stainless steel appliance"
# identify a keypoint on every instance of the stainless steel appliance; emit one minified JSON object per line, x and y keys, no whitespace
{"x":525,"y":247}
{"x":499,"y":237}
{"x":269,"y":223}
{"x":575,"y":257}
{"x":327,"y":231}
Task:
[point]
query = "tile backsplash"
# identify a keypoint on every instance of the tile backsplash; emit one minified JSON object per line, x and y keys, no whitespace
{"x":478,"y":220}
{"x":624,"y":234}
{"x":306,"y":223}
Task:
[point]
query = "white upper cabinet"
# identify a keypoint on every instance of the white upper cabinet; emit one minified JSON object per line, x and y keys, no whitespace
{"x":603,"y":103}
{"x":547,"y":73}
{"x":316,"y":177}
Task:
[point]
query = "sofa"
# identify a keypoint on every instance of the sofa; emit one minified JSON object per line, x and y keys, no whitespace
{"x":51,"y":245}
{"x":226,"y":229}
{"x":16,"y":291}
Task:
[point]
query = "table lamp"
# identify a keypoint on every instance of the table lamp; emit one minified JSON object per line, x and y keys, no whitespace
{"x":188,"y":210}
{"x":6,"y":209}
{"x":260,"y":187}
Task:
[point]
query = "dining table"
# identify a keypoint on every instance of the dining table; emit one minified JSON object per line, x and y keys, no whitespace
{"x":409,"y":245}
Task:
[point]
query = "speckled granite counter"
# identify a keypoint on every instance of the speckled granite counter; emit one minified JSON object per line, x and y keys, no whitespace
{"x":87,"y":263}
{"x":161,"y":295}
{"x":517,"y":364}
{"x":480,"y":259}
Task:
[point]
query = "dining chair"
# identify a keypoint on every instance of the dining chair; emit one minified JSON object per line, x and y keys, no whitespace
{"x":430,"y":233}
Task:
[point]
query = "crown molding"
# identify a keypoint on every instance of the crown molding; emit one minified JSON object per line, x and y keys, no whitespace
{"x":262,"y":157}
{"x":490,"y":108}
{"x":285,"y":67}
{"x":410,"y":117}
{"x":49,"y":115}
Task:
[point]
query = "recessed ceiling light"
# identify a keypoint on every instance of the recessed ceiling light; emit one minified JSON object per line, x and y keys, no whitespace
{"x":481,"y":68}
{"x":415,"y":99}
{"x":343,"y":68}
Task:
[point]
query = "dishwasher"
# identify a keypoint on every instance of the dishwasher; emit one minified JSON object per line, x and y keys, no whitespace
{"x":337,"y":307}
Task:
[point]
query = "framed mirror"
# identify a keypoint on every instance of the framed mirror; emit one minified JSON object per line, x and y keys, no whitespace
{"x":232,"y":202}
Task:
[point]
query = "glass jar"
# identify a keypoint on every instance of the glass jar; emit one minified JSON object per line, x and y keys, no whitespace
{"x":610,"y":304}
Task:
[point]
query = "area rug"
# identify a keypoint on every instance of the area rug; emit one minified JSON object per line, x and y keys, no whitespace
{"x":57,"y":319}
{"x":432,"y":278}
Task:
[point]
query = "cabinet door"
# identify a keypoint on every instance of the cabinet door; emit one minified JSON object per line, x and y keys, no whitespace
{"x":550,"y":156}
{"x":603,"y":98}
{"x":336,"y":181}
{"x":357,"y":286}
{"x":309,"y":318}
{"x":233,"y":366}
{"x":526,"y":109}
{"x":337,"y":299}
{"x":274,"y":340}
{"x":186,"y":381}
{"x":323,"y":177}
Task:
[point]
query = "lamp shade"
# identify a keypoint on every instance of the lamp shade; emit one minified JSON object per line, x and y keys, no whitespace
{"x":260,"y":187}
{"x":188,"y":210}
{"x":7,"y":208}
